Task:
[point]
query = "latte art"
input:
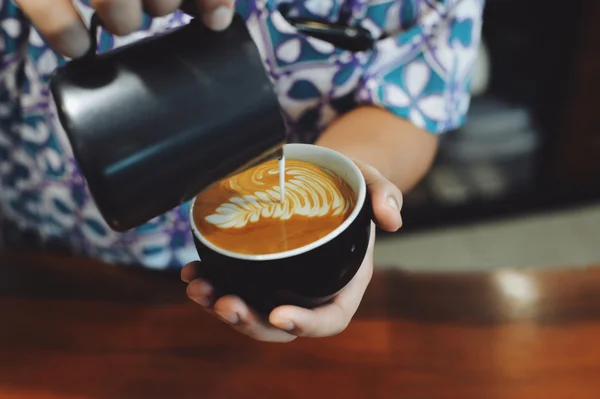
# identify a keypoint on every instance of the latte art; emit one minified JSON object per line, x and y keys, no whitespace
{"x":249,"y":213}
{"x":309,"y":191}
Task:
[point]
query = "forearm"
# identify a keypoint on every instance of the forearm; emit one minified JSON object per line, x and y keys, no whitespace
{"x":402,"y":152}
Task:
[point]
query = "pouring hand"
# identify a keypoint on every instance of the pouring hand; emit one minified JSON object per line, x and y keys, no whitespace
{"x":61,"y":25}
{"x":286,"y":323}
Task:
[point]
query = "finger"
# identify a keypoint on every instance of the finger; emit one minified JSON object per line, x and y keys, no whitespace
{"x":386,"y":198}
{"x":159,"y":8}
{"x":120,"y":17}
{"x":190,"y":272}
{"x":60,"y":24}
{"x":201,"y":292}
{"x":321,"y":322}
{"x":216,"y":14}
{"x":333,"y":318}
{"x":386,"y":201}
{"x":237,"y":314}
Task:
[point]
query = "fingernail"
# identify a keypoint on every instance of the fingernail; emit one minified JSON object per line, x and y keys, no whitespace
{"x":286,"y":325}
{"x":219,"y":19}
{"x":231,"y":318}
{"x":393,"y":204}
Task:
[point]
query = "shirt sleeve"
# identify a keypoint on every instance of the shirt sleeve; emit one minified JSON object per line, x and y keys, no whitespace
{"x":424,"y":73}
{"x":11,"y":28}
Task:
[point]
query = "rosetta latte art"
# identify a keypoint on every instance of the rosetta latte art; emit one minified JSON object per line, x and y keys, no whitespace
{"x":309,"y":191}
{"x":246,"y":214}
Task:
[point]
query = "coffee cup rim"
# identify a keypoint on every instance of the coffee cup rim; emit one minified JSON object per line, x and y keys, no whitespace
{"x":360,"y":203}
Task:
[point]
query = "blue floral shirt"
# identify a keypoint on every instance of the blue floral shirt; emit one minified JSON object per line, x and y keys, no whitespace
{"x":419,"y":69}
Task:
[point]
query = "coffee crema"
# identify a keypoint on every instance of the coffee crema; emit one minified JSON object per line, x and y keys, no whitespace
{"x":244,"y":213}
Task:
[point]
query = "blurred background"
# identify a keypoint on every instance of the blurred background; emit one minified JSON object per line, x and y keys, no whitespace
{"x":517,"y":186}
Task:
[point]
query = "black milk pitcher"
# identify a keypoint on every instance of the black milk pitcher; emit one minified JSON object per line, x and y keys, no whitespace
{"x":154,"y":123}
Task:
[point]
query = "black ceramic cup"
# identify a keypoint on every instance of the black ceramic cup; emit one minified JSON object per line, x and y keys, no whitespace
{"x":308,"y":276}
{"x":153,"y":123}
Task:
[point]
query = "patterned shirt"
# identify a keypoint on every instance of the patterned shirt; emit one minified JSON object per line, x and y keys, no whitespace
{"x":419,"y":69}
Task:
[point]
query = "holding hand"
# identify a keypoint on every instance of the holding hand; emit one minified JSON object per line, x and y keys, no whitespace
{"x":61,"y":25}
{"x":289,"y":322}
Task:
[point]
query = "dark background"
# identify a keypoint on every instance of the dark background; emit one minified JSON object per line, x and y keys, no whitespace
{"x":545,"y":70}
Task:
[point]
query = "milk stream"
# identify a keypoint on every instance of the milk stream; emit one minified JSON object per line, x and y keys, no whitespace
{"x":282,"y":179}
{"x":282,"y":196}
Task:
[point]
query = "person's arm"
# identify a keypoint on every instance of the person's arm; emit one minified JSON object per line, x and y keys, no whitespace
{"x":398,"y":149}
{"x":415,"y":88}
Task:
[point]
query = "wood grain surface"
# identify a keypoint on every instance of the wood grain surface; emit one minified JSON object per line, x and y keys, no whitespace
{"x":72,"y":328}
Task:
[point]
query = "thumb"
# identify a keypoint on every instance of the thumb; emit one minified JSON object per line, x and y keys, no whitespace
{"x":216,"y":14}
{"x":386,"y":198}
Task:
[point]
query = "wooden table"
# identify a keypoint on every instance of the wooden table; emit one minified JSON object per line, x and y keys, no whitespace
{"x":78,"y":329}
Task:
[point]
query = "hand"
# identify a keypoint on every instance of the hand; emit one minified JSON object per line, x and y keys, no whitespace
{"x":60,"y":23}
{"x":286,"y":323}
